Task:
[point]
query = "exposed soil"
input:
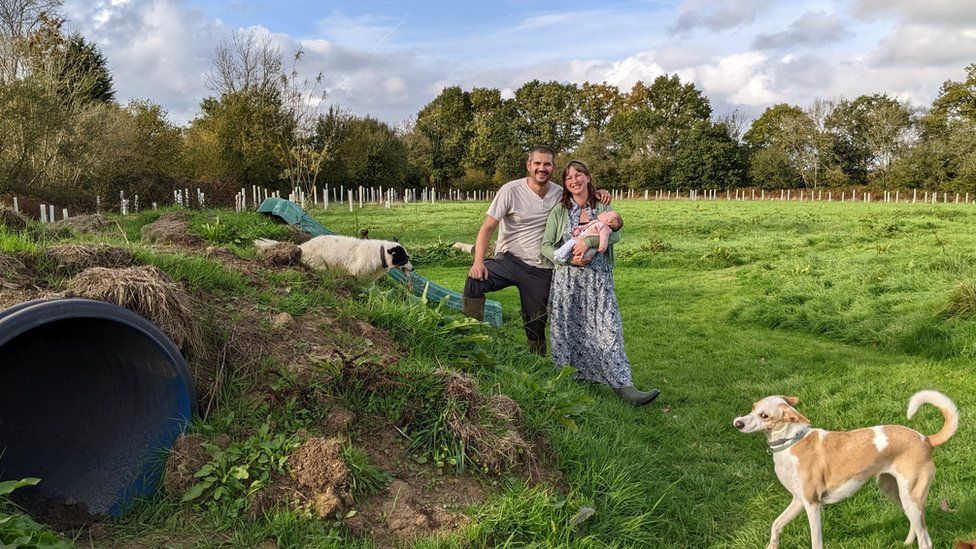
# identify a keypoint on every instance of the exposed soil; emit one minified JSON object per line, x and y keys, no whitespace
{"x":317,"y":465}
{"x":419,"y":502}
{"x":338,"y":422}
{"x":186,"y":458}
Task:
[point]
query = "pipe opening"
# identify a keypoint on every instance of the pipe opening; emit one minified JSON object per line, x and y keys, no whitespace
{"x":88,"y":404}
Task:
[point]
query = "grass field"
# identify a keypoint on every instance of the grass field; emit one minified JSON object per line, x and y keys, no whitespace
{"x":851,"y":307}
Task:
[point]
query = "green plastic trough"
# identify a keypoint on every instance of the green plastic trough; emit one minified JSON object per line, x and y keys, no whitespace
{"x":295,"y":216}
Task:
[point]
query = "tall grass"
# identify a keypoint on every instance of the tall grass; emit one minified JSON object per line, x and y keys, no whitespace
{"x":851,"y":307}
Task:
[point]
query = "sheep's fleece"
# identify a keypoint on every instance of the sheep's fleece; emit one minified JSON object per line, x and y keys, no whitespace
{"x":357,"y":257}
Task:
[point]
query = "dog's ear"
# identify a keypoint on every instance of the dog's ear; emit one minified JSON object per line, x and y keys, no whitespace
{"x":792,"y":416}
{"x":792,"y":401}
{"x":396,"y":239}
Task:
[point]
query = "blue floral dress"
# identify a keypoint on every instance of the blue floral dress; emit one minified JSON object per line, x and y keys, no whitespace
{"x":585,"y":325}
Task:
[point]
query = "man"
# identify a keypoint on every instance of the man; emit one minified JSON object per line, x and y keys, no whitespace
{"x":519,"y":213}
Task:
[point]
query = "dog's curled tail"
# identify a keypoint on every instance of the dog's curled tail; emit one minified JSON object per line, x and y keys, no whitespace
{"x":948,"y":409}
{"x":264,"y":243}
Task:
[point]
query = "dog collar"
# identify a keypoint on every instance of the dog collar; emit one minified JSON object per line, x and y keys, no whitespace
{"x":383,"y":257}
{"x":781,"y":444}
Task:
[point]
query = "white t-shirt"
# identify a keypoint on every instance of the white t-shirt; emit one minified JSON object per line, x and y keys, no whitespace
{"x":522,"y":216}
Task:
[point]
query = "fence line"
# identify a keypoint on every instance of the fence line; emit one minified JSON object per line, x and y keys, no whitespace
{"x":342,"y":197}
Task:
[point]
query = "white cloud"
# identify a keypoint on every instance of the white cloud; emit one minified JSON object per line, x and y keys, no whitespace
{"x":812,"y":28}
{"x":911,"y":45}
{"x":933,"y":33}
{"x":715,"y":15}
{"x":937,"y":12}
{"x":156,"y":50}
{"x":161,"y":49}
{"x":738,"y":77}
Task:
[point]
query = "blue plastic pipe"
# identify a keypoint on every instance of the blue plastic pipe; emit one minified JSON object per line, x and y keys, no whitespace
{"x":91,"y":397}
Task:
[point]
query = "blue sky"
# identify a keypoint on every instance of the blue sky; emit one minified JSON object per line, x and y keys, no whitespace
{"x":388,"y":58}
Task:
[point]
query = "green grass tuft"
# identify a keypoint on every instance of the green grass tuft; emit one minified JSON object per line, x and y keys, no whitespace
{"x":365,"y":479}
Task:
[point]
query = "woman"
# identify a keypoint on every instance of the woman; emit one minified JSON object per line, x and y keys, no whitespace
{"x":585,"y":327}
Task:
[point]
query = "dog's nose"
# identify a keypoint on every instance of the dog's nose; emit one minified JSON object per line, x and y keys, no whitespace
{"x":739,"y":424}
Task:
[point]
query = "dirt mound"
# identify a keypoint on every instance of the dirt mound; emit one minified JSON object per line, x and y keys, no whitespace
{"x":186,"y":458}
{"x":171,"y":228}
{"x":419,"y":502}
{"x":145,"y":290}
{"x":13,"y":221}
{"x":488,"y":426}
{"x":84,"y":223}
{"x":281,"y":254}
{"x":75,"y":258}
{"x":338,"y":421}
{"x":318,"y":466}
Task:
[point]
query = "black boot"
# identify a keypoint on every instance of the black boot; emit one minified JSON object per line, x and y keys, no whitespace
{"x":635,"y":397}
{"x":473,"y":307}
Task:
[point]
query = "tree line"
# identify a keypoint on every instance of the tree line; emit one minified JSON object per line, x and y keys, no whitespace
{"x":64,"y":137}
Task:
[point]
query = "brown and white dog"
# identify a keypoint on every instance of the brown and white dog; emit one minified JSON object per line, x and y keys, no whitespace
{"x":820,"y":467}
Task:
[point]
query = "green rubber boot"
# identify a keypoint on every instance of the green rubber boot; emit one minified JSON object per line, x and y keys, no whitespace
{"x":635,"y":397}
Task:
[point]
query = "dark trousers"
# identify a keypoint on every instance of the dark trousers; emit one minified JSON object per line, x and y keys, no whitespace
{"x":533,"y":285}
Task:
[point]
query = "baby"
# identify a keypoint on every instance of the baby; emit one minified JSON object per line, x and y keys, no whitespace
{"x":599,"y":229}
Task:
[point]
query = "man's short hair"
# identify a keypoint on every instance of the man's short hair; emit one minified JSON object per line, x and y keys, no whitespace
{"x":545,"y":149}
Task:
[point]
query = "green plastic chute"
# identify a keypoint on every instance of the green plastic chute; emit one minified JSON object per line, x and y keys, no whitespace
{"x":295,"y":216}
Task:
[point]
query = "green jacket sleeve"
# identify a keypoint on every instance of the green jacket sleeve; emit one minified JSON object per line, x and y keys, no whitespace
{"x":554,"y":230}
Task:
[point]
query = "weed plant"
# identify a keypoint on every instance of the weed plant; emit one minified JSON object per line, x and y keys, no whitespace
{"x":17,"y":529}
{"x":236,"y":472}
